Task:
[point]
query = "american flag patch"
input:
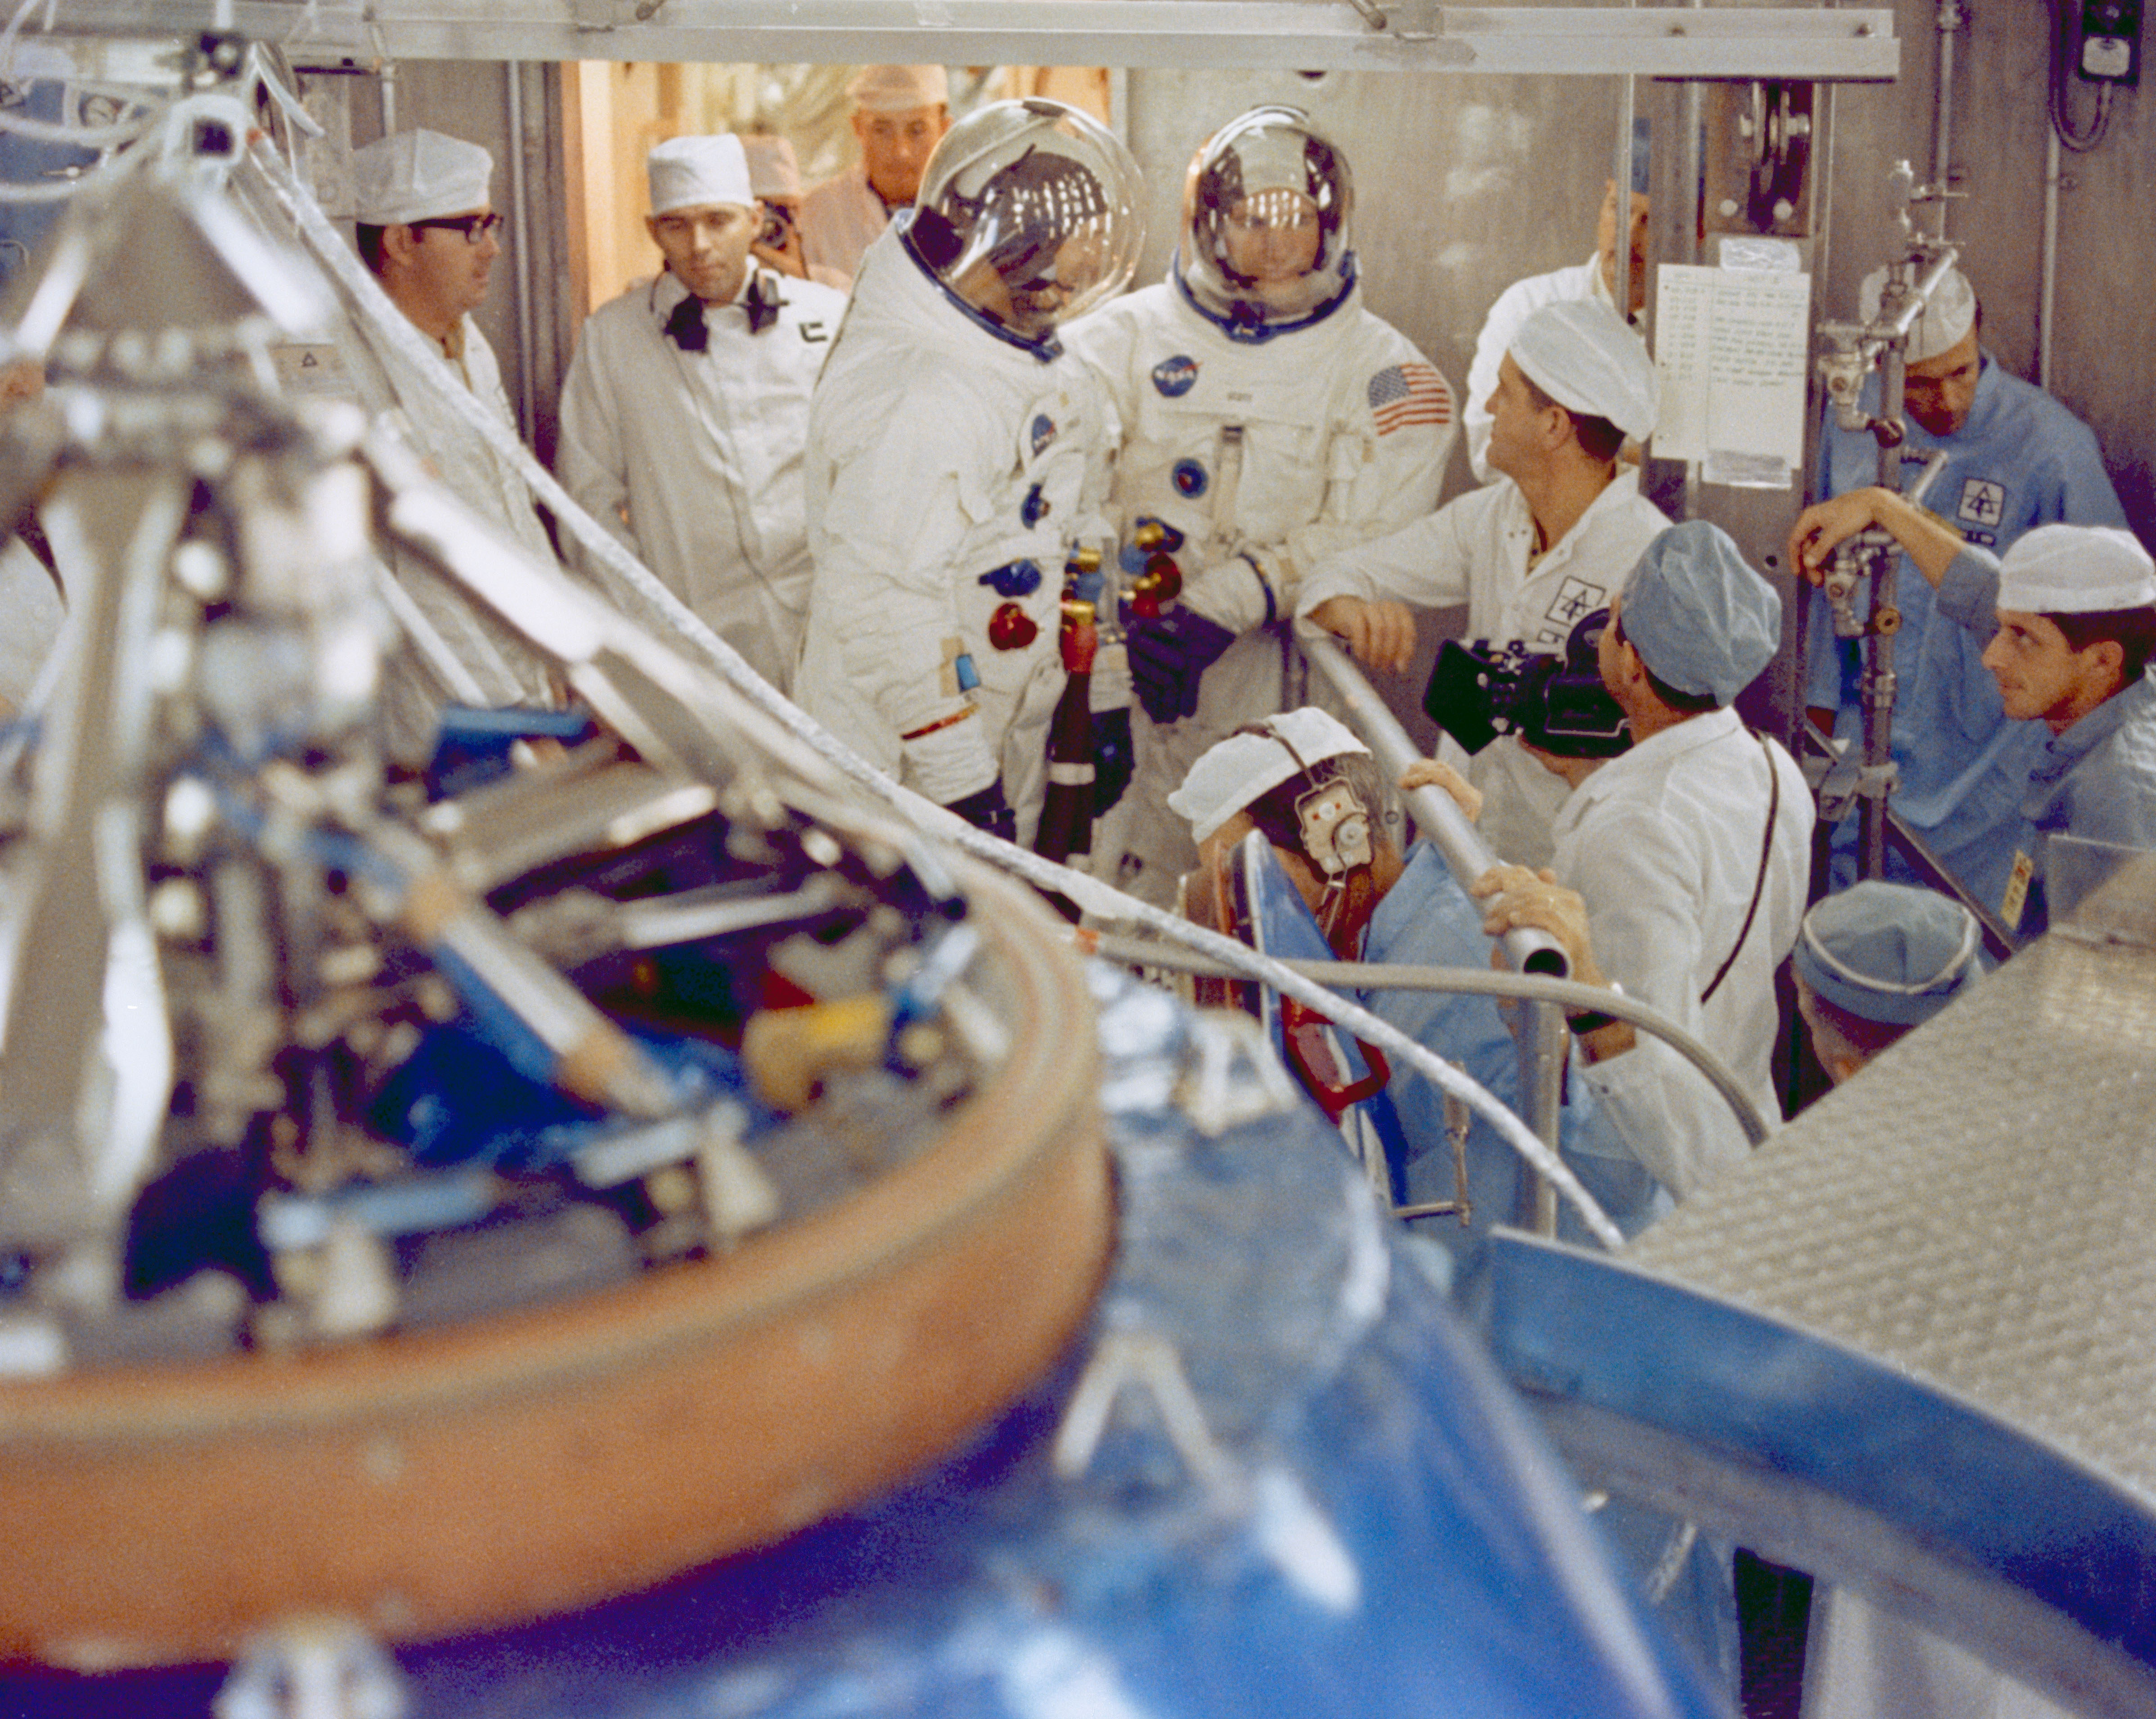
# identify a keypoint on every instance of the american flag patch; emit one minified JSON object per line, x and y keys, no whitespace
{"x":1407,"y":394}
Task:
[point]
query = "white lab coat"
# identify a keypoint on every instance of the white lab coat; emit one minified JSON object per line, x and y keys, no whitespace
{"x":1663,"y":844}
{"x":1514,"y":305}
{"x":1475,"y":550}
{"x":927,"y":438}
{"x":702,"y":452}
{"x":1275,"y":449}
{"x":501,"y":666}
{"x":841,"y":217}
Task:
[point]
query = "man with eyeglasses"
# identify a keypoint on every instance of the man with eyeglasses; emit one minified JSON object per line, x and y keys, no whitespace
{"x":685,"y":409}
{"x":428,"y":231}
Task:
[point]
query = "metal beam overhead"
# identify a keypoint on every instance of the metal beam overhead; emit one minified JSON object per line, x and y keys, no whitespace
{"x":1814,"y":43}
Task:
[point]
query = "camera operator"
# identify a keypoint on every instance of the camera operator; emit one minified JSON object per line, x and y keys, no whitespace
{"x":1531,"y":554}
{"x":1679,"y":869}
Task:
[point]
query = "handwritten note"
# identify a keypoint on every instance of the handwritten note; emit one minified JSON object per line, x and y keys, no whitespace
{"x":1731,"y":347}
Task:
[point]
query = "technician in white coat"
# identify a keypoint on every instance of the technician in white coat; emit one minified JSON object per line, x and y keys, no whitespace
{"x":1682,"y":866}
{"x":901,"y":114}
{"x":1268,"y":420}
{"x":1593,"y":281}
{"x":685,"y":410}
{"x":951,"y":444}
{"x":1531,"y":555}
{"x":428,"y":230}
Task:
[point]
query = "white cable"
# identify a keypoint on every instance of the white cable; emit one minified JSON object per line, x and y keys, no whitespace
{"x":1089,"y":892}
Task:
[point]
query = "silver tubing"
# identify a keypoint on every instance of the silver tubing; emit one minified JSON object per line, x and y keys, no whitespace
{"x":1441,"y":823}
{"x":1467,"y":981}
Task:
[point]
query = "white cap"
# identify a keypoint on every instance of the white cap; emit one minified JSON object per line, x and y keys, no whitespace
{"x":900,"y":89}
{"x":2076,"y":570}
{"x":415,"y":176}
{"x":689,"y":173}
{"x":773,"y":169}
{"x":1579,"y":352}
{"x":1231,"y":774}
{"x":1947,"y":316}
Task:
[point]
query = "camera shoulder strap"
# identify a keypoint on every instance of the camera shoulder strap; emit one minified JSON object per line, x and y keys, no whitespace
{"x":1759,"y":880}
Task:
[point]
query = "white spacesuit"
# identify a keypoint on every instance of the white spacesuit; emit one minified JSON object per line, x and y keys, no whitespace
{"x":1268,"y":420}
{"x":949,"y":448}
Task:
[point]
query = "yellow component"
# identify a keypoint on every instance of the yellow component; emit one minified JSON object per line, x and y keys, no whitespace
{"x":1083,"y":560}
{"x":787,"y":1052}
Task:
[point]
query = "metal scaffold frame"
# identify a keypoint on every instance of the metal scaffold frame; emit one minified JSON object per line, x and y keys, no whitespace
{"x":1808,"y":43}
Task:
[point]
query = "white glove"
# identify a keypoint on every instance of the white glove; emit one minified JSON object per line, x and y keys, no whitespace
{"x":1110,"y":686}
{"x":1232,"y":594}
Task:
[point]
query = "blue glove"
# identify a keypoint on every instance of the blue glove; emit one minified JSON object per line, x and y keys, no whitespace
{"x":1169,"y":655}
{"x":1113,"y":757}
{"x":988,"y":809}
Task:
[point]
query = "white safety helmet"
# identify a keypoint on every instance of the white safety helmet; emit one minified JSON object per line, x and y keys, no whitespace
{"x":1028,"y":214}
{"x":1268,"y":224}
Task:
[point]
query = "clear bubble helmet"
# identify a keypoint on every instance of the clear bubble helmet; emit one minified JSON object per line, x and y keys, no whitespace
{"x":1028,"y":215}
{"x":1268,"y":224}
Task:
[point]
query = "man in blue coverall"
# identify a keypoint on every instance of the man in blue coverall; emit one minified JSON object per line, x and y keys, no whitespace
{"x":1304,"y":780}
{"x":2067,"y":619}
{"x":2016,"y":458}
{"x":1403,"y":910}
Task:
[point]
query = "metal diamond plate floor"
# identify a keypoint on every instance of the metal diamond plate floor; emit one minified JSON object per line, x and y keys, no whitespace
{"x":1978,"y":1208}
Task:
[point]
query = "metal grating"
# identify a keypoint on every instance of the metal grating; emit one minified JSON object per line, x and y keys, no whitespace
{"x":1976,"y":1209}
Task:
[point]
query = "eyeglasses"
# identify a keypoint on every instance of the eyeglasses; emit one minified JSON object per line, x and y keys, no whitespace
{"x":474,"y":228}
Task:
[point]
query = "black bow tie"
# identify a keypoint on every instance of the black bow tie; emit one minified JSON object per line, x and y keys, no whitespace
{"x":762,"y":302}
{"x":686,"y":326}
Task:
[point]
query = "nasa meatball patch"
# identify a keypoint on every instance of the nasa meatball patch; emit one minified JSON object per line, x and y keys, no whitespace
{"x":1044,"y":432}
{"x":1177,"y":376}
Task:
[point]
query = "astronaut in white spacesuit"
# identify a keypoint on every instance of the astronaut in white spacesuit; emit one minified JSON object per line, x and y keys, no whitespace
{"x":951,"y":442}
{"x":1268,"y":420}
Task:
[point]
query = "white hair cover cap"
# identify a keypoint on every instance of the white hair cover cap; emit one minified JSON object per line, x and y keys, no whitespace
{"x":2076,"y":570}
{"x":1228,"y":776}
{"x":900,"y":89}
{"x":1940,"y":326}
{"x":773,"y":170}
{"x":415,"y":176}
{"x":691,"y":173}
{"x":1579,"y":352}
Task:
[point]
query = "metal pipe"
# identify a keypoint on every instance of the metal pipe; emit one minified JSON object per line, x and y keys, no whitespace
{"x":527,"y":406}
{"x":1443,"y":825}
{"x":1543,"y":1039}
{"x":1876,"y":686}
{"x":1949,"y":19}
{"x":1464,"y":981}
{"x":2047,"y":293}
{"x":1920,"y":295}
